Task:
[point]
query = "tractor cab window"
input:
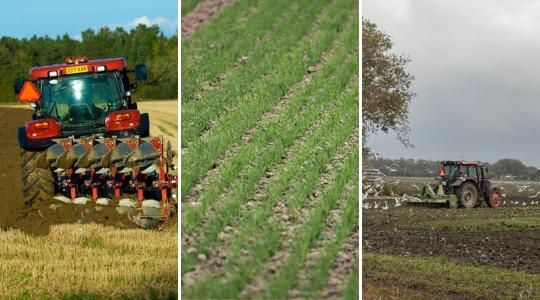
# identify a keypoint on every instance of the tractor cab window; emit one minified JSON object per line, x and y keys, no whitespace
{"x":450,"y":171}
{"x":82,"y":99}
{"x":470,"y":171}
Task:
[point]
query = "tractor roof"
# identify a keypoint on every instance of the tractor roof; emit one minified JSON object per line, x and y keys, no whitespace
{"x":72,"y":63}
{"x":460,"y":162}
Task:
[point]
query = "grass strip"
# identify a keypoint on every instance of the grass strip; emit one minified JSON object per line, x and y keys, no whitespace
{"x":448,"y":276}
{"x":508,"y":224}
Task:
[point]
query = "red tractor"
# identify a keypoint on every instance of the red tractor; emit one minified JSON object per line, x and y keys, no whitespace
{"x":469,"y":181}
{"x":461,"y":183}
{"x":88,"y":142}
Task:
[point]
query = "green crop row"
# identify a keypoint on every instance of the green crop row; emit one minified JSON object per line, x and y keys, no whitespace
{"x":203,"y":152}
{"x":214,"y":47}
{"x":229,"y":209}
{"x":255,"y":235}
{"x":351,"y":289}
{"x":319,"y":274}
{"x":322,"y":89}
{"x":215,"y":103}
{"x":288,"y":275}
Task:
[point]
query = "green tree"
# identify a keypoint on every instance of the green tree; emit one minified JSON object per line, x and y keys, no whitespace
{"x":386,"y":92}
{"x":508,"y":166}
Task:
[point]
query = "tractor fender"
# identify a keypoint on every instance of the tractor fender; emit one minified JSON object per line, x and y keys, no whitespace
{"x":32,"y":145}
{"x":458,"y":182}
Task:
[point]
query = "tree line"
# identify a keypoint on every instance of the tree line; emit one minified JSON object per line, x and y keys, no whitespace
{"x":140,"y":45}
{"x":506,"y":168}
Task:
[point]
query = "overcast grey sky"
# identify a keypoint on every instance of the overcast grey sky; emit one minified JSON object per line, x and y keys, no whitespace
{"x":477,"y":77}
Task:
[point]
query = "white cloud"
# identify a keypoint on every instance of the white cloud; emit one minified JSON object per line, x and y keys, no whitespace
{"x":166,"y":25}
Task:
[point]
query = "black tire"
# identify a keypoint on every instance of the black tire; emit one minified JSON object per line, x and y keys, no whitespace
{"x":38,"y":184}
{"x":468,"y":195}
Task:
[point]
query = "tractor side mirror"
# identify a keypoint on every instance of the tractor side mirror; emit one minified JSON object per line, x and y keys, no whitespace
{"x":29,"y":93}
{"x":141,"y":73}
{"x":17,"y":85}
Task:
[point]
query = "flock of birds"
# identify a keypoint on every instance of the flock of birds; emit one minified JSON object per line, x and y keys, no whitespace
{"x":375,"y":190}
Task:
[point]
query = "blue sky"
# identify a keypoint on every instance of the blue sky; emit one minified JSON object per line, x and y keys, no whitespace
{"x":56,"y":17}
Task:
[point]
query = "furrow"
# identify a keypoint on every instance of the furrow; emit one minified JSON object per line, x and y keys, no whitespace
{"x":344,"y":269}
{"x":199,"y":14}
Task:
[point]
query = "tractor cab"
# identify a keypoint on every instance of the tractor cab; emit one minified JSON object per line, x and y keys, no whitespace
{"x":81,"y":97}
{"x":452,"y":171}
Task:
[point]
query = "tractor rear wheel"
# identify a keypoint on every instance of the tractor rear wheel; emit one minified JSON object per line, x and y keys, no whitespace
{"x":38,"y":184}
{"x":468,"y":195}
{"x":495,"y":198}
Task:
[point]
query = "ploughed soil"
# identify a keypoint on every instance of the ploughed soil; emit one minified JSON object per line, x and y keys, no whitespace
{"x":392,"y":231}
{"x":37,"y":219}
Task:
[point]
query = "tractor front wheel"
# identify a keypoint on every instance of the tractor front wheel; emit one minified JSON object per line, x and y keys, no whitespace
{"x":468,"y":195}
{"x":38,"y":183}
{"x":495,"y":198}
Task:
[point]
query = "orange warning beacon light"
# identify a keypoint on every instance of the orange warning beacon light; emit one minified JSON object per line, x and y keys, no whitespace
{"x":441,"y":172}
{"x":29,"y":93}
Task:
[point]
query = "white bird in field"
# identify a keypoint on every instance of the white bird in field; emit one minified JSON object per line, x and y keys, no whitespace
{"x":397,"y":202}
{"x":365,"y":206}
{"x":523,"y":188}
{"x":523,"y":203}
{"x":375,"y":205}
{"x":364,"y":195}
{"x":385,"y":207}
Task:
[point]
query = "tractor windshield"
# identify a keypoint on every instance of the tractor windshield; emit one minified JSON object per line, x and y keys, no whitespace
{"x":450,"y":171}
{"x":81,"y":100}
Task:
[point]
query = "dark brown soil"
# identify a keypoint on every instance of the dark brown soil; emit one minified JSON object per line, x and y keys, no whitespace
{"x":204,"y":10}
{"x":388,"y":232}
{"x":37,"y":220}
